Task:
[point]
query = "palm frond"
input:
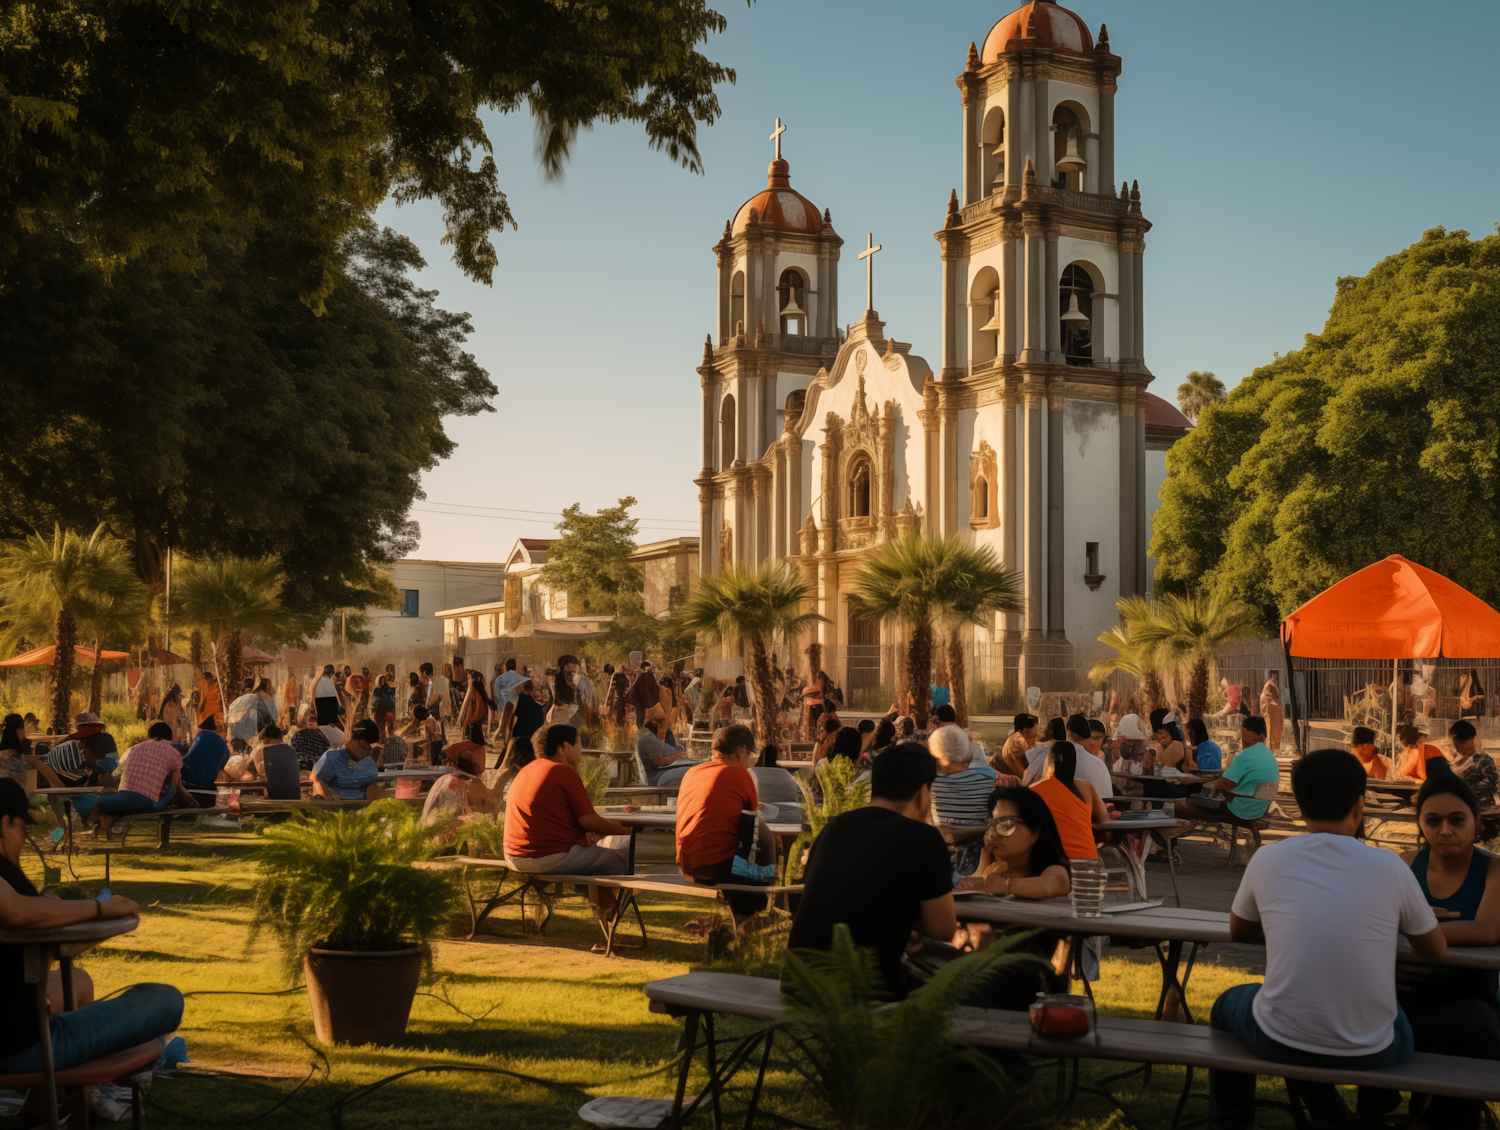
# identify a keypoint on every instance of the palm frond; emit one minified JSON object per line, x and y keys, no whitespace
{"x":754,"y":605}
{"x":921,"y":580}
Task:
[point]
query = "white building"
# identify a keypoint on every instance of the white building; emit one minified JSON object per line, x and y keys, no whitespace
{"x":426,"y":587}
{"x":1032,"y":435}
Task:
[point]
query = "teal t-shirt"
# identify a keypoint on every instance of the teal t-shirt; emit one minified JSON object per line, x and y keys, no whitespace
{"x":1253,"y":765}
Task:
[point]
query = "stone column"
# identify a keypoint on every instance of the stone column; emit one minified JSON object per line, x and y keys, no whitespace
{"x":1009,"y":305}
{"x":948,"y":472}
{"x":1052,"y":295}
{"x":1106,"y":182}
{"x":710,"y":422}
{"x":708,"y":536}
{"x":1020,"y":127}
{"x":726,"y":276}
{"x":1127,"y":304}
{"x":973,"y":158}
{"x":795,"y":512}
{"x":1139,"y":291}
{"x":779,"y":500}
{"x":744,"y":409}
{"x":1056,"y":624}
{"x":1008,"y":487}
{"x":1034,"y":538}
{"x":823,"y":326}
{"x":1128,"y":462}
{"x":950,"y":315}
{"x":772,"y":305}
{"x":1035,"y":348}
{"x":931,"y":447}
{"x":1091,"y":155}
{"x":1044,"y":159}
{"x":1140,"y":495}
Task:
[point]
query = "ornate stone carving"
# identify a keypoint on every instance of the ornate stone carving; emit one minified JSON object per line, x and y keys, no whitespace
{"x":860,"y":360}
{"x":984,"y":488}
{"x":726,"y":546}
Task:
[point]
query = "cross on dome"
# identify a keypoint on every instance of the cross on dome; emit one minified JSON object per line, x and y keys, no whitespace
{"x":776,"y":137}
{"x":868,"y":255}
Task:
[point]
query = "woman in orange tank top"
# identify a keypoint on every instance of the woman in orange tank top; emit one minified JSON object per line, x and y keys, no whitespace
{"x":1075,"y":805}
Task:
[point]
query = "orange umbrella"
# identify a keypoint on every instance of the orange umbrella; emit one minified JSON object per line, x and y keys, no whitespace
{"x":1393,"y":609}
{"x":44,"y":655}
{"x":254,"y":656}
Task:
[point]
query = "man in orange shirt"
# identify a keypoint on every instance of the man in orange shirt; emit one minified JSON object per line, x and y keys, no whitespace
{"x":1362,"y":745}
{"x":718,"y":818}
{"x":548,"y":814}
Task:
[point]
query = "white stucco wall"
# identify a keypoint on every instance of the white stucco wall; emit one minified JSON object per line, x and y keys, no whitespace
{"x":1091,"y":507}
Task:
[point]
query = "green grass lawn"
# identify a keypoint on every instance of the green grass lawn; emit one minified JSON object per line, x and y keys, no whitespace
{"x":544,"y":1007}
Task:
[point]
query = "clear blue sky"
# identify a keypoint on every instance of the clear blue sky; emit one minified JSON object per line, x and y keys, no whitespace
{"x":1278,"y":146}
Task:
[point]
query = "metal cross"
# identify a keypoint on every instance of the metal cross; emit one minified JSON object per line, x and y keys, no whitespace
{"x":868,"y":255}
{"x":776,"y":137}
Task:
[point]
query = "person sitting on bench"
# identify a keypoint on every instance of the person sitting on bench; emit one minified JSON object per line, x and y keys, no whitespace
{"x":718,"y":817}
{"x":1329,"y":910}
{"x":150,"y":779}
{"x":348,"y":772}
{"x":83,"y":758}
{"x":204,"y":763}
{"x":1023,"y":853}
{"x":548,"y":814}
{"x":1253,"y":765}
{"x":92,"y":1030}
{"x":661,"y":764}
{"x":276,"y":763}
{"x":1362,"y":745}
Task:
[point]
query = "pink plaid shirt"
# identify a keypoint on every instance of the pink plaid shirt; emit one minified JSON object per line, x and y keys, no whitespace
{"x":147,"y":766}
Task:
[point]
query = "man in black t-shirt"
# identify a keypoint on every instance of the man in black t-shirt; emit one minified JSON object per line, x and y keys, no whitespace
{"x":91,"y":1030}
{"x":882,"y":870}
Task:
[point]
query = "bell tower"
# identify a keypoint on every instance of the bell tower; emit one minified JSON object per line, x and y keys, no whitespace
{"x":777,"y":325}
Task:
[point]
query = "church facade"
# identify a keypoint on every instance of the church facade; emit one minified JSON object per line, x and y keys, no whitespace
{"x":1032,"y":434}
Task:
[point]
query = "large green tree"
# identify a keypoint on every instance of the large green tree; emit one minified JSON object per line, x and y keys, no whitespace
{"x":215,"y":414}
{"x":1381,"y":435}
{"x":591,"y":561}
{"x":139,"y":125}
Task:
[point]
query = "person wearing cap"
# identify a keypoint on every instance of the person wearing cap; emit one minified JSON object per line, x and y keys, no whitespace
{"x":149,"y":779}
{"x":348,"y":772}
{"x":91,"y":1030}
{"x":1012,"y":756}
{"x":1254,"y":765}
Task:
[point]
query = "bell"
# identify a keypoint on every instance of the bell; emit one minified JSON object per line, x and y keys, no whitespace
{"x":993,"y":326}
{"x":1070,"y":161}
{"x":791,"y":309}
{"x":1075,"y":319}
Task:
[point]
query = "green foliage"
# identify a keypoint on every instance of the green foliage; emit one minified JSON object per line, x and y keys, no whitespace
{"x":896,"y":1066}
{"x":633,"y":629}
{"x":345,"y":881}
{"x":591,"y":561}
{"x":215,"y":415}
{"x":1197,"y":392}
{"x":158,"y":125}
{"x":1381,"y":435}
{"x":1185,"y":631}
{"x":840,"y":793}
{"x":595,"y":774}
{"x":923,"y":581}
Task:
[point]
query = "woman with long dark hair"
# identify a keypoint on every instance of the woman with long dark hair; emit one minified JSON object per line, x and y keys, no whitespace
{"x":1023,"y":853}
{"x":13,"y":737}
{"x":564,"y":691}
{"x":475,"y":711}
{"x":1454,"y":1011}
{"x":1075,"y":804}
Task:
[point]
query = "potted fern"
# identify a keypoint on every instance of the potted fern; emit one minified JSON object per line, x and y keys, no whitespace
{"x":349,"y":911}
{"x":894,"y":1066}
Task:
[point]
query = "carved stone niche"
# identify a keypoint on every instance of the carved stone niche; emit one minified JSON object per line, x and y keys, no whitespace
{"x":726,"y":546}
{"x":860,"y":473}
{"x":984,"y":488}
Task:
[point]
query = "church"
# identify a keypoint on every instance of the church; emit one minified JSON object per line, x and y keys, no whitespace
{"x":1034,"y":435}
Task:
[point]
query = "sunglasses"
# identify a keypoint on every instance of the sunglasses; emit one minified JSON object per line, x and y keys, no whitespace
{"x":1004,"y":825}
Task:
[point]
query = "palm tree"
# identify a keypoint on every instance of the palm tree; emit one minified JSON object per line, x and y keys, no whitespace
{"x":923,"y":580}
{"x":228,"y":598}
{"x":1187,"y":630}
{"x":1197,"y":392}
{"x":50,"y":586}
{"x":1134,"y":654}
{"x":752,"y":606}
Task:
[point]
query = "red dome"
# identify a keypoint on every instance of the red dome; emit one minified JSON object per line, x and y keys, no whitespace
{"x":1044,"y":25}
{"x":778,"y":205}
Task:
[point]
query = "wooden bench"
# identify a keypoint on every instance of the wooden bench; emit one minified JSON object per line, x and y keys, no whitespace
{"x":696,"y":997}
{"x":630,"y":886}
{"x":127,"y":1065}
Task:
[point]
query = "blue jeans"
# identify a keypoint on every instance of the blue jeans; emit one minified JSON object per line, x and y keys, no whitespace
{"x":1230,"y":1093}
{"x":95,"y":1030}
{"x":128,"y":804}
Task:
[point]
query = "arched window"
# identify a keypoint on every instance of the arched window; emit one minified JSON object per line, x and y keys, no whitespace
{"x":796,"y":400}
{"x":859,"y":490}
{"x":791,"y":294}
{"x":737,"y":303}
{"x":726,"y":434}
{"x":979,"y":497}
{"x":984,"y":316}
{"x":992,"y":152}
{"x":1077,"y":306}
{"x":1067,"y":159}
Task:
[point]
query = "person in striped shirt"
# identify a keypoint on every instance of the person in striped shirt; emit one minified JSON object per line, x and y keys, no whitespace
{"x":960,"y":793}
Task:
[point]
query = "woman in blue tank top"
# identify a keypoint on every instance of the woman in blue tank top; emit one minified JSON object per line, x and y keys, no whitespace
{"x":1453,"y":1011}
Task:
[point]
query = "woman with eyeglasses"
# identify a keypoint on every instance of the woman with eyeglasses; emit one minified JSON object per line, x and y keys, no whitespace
{"x":1023,"y":854}
{"x":1452,"y":1010}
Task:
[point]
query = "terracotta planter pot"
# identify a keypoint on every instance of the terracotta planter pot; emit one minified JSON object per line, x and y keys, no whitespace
{"x":362,"y":998}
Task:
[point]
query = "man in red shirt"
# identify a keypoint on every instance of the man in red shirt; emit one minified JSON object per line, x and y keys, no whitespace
{"x":716,"y":804}
{"x":548,"y":814}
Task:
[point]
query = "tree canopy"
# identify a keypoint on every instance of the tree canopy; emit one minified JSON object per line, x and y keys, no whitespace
{"x":591,"y":561}
{"x":215,"y":414}
{"x":1381,"y":435}
{"x":152,"y":125}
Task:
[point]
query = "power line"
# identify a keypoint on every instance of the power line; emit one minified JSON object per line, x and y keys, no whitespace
{"x":553,"y":513}
{"x":541,"y":522}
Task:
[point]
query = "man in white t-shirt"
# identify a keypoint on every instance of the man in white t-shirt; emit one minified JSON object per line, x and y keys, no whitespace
{"x":1330,"y":910}
{"x":437,"y":693}
{"x":1090,"y":768}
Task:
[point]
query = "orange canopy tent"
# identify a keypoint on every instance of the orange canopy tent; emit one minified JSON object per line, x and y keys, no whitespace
{"x":44,"y":655}
{"x":1393,"y":609}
